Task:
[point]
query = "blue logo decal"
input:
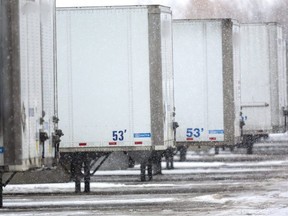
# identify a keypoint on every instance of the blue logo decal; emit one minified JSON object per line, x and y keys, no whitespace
{"x":2,"y":150}
{"x":216,"y":131}
{"x":142,"y":135}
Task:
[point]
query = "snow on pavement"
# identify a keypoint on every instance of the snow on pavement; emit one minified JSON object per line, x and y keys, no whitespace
{"x":70,"y":187}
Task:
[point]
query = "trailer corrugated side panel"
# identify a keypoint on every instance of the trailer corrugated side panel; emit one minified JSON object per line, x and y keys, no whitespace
{"x":21,"y":86}
{"x":206,"y":95}
{"x":110,"y":78}
{"x":263,"y":94}
{"x":48,"y":62}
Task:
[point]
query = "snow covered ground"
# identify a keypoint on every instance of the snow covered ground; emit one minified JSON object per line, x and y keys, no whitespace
{"x":225,"y":187}
{"x":263,"y":198}
{"x":280,"y":137}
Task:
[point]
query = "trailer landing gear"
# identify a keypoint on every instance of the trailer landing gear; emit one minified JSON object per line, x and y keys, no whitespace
{"x":248,"y":142}
{"x":1,"y":190}
{"x":146,"y":166}
{"x":217,"y":150}
{"x":169,"y":157}
{"x":4,"y":185}
{"x":152,"y":165}
{"x":74,"y":163}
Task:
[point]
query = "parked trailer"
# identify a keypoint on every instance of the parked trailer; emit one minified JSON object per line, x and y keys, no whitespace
{"x":207,"y":82}
{"x":115,"y":80}
{"x":263,"y":80}
{"x":27,"y":31}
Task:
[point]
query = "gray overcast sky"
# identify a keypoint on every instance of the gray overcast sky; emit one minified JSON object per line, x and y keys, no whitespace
{"x":258,"y":10}
{"x":63,"y":3}
{"x":242,"y":10}
{"x":175,"y":5}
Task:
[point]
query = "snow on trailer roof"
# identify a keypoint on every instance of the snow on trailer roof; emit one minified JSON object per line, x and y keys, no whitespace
{"x":162,"y":7}
{"x":205,"y":19}
{"x":263,"y":23}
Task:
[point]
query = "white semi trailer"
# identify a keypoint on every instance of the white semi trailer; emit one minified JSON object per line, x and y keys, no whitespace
{"x":26,"y":61}
{"x":263,"y":80}
{"x":207,"y":82}
{"x":115,"y":80}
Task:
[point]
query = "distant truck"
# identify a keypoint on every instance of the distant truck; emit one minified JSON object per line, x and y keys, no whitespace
{"x":115,"y":82}
{"x":28,"y":131}
{"x":207,"y":83}
{"x":263,"y":81}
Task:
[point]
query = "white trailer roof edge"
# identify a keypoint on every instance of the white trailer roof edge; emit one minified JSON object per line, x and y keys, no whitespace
{"x":262,"y":23}
{"x":235,"y":22}
{"x":151,"y":8}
